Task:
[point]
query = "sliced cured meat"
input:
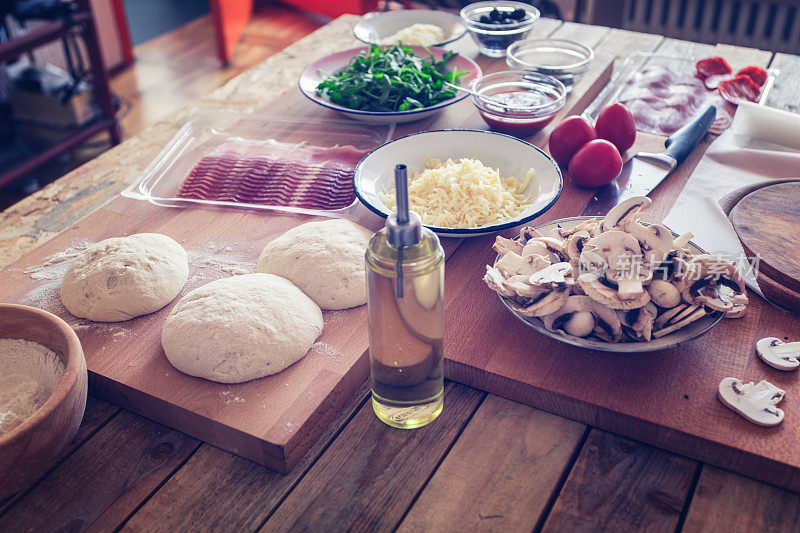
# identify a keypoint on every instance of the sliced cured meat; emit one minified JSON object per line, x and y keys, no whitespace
{"x":757,"y":74}
{"x":712,"y":82}
{"x":712,"y":66}
{"x":662,"y":101}
{"x":738,"y":89}
{"x":274,"y":173}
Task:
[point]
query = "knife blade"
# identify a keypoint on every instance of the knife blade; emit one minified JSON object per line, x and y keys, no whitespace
{"x":644,"y":171}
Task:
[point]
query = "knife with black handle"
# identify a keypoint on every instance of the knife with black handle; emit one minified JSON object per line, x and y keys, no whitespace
{"x":644,"y":171}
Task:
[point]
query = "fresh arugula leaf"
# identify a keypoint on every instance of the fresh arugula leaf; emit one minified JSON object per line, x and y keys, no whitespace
{"x":390,"y":80}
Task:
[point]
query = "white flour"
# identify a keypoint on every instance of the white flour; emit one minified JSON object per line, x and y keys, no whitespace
{"x":29,"y":373}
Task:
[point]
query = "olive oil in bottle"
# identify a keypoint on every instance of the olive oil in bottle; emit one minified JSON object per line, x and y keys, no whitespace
{"x":405,"y":299}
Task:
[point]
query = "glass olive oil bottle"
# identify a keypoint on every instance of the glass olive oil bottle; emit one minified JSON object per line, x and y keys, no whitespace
{"x":405,"y":300}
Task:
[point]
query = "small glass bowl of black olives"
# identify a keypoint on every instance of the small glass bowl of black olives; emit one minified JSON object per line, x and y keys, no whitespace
{"x":496,"y":25}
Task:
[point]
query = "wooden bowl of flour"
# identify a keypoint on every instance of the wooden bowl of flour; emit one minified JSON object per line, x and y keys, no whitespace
{"x":28,"y":450}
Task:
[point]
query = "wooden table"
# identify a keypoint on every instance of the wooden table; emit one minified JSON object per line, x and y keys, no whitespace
{"x":487,"y":463}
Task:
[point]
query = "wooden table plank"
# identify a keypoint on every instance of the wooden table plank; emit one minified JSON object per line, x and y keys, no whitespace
{"x":96,"y":415}
{"x":371,"y":473}
{"x":784,"y":92}
{"x":621,"y":485}
{"x":724,"y":501}
{"x":219,"y":491}
{"x":500,"y":474}
{"x":621,"y":44}
{"x":105,"y":480}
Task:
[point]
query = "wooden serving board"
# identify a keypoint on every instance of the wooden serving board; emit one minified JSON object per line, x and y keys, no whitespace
{"x":767,"y":221}
{"x":273,"y":420}
{"x":666,"y":398}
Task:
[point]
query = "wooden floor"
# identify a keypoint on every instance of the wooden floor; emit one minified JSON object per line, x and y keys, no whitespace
{"x":176,"y":69}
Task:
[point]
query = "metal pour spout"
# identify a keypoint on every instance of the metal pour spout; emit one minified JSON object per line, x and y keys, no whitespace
{"x":404,"y":228}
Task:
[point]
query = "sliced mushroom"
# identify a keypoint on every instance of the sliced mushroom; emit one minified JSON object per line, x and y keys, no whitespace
{"x":656,"y":241}
{"x":667,"y":316}
{"x":537,"y":254}
{"x":622,"y":256}
{"x":605,"y":293}
{"x":511,"y":264}
{"x":502,"y":245}
{"x":543,"y":305}
{"x":522,"y":286}
{"x":756,"y":403}
{"x":497,"y":282}
{"x":555,"y":248}
{"x":627,"y":211}
{"x":638,"y":323}
{"x":581,"y":316}
{"x":591,"y":226}
{"x":574,"y":245}
{"x":663,"y":293}
{"x":716,"y":284}
{"x":681,"y":322}
{"x":527,"y":233}
{"x":779,"y":354}
{"x":553,"y":276}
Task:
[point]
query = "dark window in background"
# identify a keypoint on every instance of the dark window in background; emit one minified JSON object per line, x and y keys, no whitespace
{"x":150,"y":18}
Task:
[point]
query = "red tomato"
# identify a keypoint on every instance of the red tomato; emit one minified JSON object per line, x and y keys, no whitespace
{"x":597,"y":163}
{"x":568,"y":137}
{"x":615,"y":123}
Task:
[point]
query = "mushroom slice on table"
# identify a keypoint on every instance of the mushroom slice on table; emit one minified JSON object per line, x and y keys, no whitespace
{"x":717,"y":284}
{"x":638,"y":323}
{"x":581,"y":316}
{"x":779,"y":354}
{"x":542,"y":305}
{"x":756,"y":402}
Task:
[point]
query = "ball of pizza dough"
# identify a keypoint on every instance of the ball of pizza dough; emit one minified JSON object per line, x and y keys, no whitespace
{"x":241,"y":328}
{"x":324,"y":259}
{"x":124,"y":277}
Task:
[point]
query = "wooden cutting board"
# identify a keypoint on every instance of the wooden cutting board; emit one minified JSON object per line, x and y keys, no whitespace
{"x":274,"y":420}
{"x":666,"y":398}
{"x":767,"y":221}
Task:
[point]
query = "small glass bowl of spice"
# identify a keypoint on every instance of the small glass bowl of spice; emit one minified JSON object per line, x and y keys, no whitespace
{"x":496,"y":25}
{"x":518,"y":103}
{"x":565,"y":60}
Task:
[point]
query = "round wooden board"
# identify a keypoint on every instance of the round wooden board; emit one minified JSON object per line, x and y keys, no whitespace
{"x":768,"y":224}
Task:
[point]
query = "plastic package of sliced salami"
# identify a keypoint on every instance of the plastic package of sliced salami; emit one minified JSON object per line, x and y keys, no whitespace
{"x":260,"y":162}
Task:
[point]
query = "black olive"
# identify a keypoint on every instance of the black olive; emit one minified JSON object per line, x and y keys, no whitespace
{"x":495,"y":15}
{"x":485,"y":20}
{"x":518,"y":14}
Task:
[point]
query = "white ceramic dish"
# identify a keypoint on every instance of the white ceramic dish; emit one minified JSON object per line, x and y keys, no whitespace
{"x":514,"y":157}
{"x":311,"y":77}
{"x":676,"y":338}
{"x":374,"y":27}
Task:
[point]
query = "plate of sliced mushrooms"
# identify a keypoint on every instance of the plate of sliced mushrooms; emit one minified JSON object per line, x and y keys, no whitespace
{"x":614,"y":283}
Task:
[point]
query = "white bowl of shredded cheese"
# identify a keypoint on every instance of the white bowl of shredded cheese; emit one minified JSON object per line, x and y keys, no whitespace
{"x":463,"y":183}
{"x":411,"y":26}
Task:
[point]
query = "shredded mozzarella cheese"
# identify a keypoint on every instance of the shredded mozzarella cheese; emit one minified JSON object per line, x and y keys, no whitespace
{"x":463,"y":194}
